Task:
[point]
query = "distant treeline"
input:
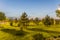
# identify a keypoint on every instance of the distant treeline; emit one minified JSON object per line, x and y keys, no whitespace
{"x":24,"y":20}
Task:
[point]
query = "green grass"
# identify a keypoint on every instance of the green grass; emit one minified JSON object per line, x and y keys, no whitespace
{"x":8,"y":32}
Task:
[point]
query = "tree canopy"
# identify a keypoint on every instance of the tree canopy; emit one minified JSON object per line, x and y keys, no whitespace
{"x":36,"y":20}
{"x":58,"y":13}
{"x":2,"y":16}
{"x":24,"y":19}
{"x":47,"y":20}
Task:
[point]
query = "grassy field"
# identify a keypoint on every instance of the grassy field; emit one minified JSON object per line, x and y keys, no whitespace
{"x":8,"y":32}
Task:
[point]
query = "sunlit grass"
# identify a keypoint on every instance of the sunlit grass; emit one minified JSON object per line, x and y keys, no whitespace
{"x":44,"y":32}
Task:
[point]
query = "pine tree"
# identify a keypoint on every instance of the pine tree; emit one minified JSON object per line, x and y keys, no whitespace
{"x":24,"y":20}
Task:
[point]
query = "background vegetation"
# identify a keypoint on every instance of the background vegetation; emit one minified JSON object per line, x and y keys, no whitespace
{"x":26,"y":28}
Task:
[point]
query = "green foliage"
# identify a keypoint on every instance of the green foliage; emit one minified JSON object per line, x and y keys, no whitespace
{"x":24,"y":19}
{"x":2,"y":16}
{"x":52,"y":21}
{"x":36,"y":21}
{"x":47,"y":20}
{"x":16,"y":20}
{"x":58,"y":13}
{"x":18,"y":24}
{"x":11,"y":21}
{"x":38,"y":37}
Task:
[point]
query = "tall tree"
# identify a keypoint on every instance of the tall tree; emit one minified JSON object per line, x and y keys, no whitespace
{"x":24,"y":19}
{"x":47,"y":20}
{"x":58,"y":11}
{"x":58,"y":15}
{"x":2,"y":16}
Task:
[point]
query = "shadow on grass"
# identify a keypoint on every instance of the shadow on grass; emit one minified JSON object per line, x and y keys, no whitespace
{"x":15,"y":32}
{"x":38,"y":37}
{"x":42,"y":30}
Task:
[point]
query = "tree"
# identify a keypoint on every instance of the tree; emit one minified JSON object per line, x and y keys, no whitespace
{"x":2,"y":16}
{"x":47,"y":20}
{"x":36,"y":20}
{"x":52,"y":21}
{"x":19,"y":22}
{"x":11,"y":21}
{"x":16,"y":20}
{"x":58,"y":13}
{"x":24,"y":20}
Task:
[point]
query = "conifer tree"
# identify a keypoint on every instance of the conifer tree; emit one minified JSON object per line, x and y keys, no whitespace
{"x":24,"y":20}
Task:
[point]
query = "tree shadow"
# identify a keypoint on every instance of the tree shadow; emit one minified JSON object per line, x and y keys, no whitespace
{"x":15,"y":32}
{"x":42,"y":30}
{"x":38,"y":37}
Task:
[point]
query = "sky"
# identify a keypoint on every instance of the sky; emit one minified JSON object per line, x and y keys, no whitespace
{"x":33,"y":8}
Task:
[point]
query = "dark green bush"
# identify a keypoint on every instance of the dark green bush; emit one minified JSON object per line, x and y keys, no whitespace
{"x":38,"y":37}
{"x":11,"y":24}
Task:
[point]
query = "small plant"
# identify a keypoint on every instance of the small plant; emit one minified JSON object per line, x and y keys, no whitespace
{"x":38,"y":37}
{"x":18,"y":24}
{"x":20,"y":33}
{"x":11,"y":24}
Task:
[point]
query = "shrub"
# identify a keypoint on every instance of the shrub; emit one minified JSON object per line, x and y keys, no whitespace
{"x":38,"y":37}
{"x":11,"y":24}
